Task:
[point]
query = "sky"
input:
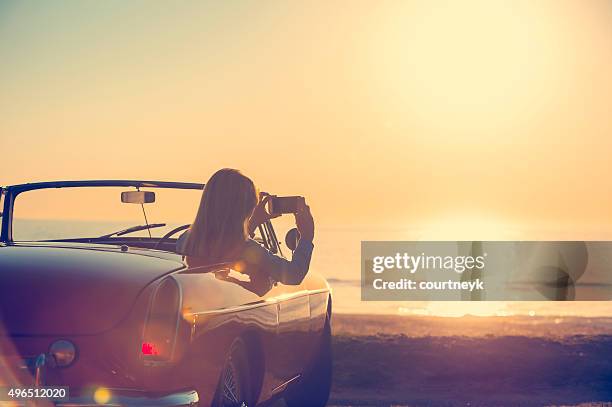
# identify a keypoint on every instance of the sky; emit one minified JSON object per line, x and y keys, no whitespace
{"x":464,"y":116}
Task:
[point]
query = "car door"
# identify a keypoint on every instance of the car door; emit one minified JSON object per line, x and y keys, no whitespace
{"x":293,"y":329}
{"x":294,"y":323}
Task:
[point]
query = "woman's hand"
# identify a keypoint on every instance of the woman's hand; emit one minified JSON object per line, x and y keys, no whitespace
{"x":304,"y":222}
{"x":260,"y":214}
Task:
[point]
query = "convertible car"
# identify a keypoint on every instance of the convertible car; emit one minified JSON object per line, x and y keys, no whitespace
{"x":119,"y":318}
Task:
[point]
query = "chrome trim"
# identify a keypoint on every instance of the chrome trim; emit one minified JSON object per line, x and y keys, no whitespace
{"x":209,"y":268}
{"x":120,"y":397}
{"x":320,"y":291}
{"x":233,"y":309}
{"x":176,"y":328}
{"x":179,"y":315}
{"x":284,"y":385}
{"x":40,"y":376}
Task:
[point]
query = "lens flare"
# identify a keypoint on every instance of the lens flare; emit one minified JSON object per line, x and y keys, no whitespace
{"x":102,"y":395}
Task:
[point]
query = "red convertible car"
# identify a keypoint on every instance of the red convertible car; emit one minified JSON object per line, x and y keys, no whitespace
{"x":96,"y":317}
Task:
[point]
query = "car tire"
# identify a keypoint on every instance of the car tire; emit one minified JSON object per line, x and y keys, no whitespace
{"x":314,"y":387}
{"x":234,"y":387}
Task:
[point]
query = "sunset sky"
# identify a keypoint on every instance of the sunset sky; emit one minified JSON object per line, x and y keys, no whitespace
{"x":453,"y":114}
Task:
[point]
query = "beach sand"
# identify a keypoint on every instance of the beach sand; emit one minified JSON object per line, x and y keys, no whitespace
{"x":471,"y":361}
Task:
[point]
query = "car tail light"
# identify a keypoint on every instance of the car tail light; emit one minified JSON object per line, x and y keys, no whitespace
{"x":149,"y":349}
{"x":161,"y":325}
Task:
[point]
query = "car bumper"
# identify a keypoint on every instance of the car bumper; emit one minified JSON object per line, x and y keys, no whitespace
{"x":123,"y":397}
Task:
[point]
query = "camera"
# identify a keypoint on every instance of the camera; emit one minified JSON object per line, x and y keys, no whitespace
{"x":284,"y":204}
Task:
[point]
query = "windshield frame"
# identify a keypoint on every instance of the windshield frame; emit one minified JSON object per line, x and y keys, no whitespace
{"x":2,"y":200}
{"x":11,"y":193}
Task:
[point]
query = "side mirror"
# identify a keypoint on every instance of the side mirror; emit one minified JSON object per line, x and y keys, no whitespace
{"x":138,"y":197}
{"x":292,"y":238}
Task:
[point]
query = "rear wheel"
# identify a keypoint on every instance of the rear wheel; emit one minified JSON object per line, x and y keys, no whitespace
{"x":234,"y":388}
{"x":313,"y":388}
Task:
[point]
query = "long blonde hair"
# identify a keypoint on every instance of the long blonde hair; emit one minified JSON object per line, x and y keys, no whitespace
{"x":221,"y":223}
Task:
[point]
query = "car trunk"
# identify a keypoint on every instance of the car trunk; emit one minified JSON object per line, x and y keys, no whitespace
{"x":48,"y":290}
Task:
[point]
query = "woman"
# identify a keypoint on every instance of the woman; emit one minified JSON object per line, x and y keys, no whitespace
{"x":229,"y":213}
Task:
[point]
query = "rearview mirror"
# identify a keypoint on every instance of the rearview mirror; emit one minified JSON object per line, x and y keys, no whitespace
{"x":292,"y":238}
{"x":138,"y":197}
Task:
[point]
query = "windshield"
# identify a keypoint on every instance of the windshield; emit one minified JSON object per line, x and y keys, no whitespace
{"x":86,"y":212}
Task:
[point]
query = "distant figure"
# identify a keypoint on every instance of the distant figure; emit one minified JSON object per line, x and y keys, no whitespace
{"x":229,"y":213}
